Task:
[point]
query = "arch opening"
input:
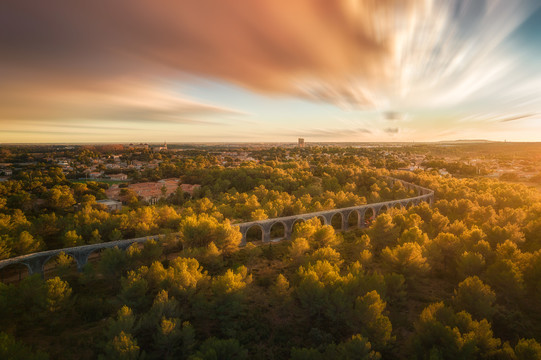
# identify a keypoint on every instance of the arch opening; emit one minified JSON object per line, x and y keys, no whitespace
{"x":322,"y":220}
{"x":254,"y":233}
{"x":95,"y":256}
{"x":396,"y":208}
{"x":336,"y":221}
{"x":369,"y":216}
{"x":296,"y":223}
{"x":61,"y":265}
{"x":278,"y":231}
{"x":14,"y":273}
{"x":353,"y":218}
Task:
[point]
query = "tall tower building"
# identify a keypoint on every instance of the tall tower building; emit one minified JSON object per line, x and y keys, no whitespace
{"x":301,"y":142}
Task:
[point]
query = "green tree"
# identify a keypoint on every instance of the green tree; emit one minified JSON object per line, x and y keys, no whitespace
{"x":441,"y":333}
{"x":383,"y":233}
{"x":64,"y":264}
{"x":113,"y":262}
{"x":369,"y":311}
{"x":475,"y":297}
{"x":173,"y":340}
{"x":326,"y":253}
{"x":355,"y":348}
{"x":26,"y":244}
{"x":61,"y":197}
{"x":443,"y":254}
{"x":122,"y":347}
{"x":12,"y":349}
{"x":528,"y":349}
{"x":124,"y":322}
{"x":231,"y":281}
{"x":95,"y":237}
{"x":406,"y":259}
{"x":218,"y":349}
{"x":134,"y":288}
{"x":71,"y":239}
{"x":58,"y":294}
{"x":5,"y":248}
{"x":182,"y":277}
{"x":179,"y":196}
{"x":506,"y":278}
{"x":200,"y":231}
{"x":413,"y":235}
{"x":469,"y":264}
{"x":532,"y":274}
{"x":258,"y":214}
{"x":315,"y":233}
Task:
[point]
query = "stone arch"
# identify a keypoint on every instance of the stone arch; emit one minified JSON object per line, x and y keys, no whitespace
{"x":322,"y":219}
{"x":126,"y":244}
{"x":278,"y":231}
{"x":383,"y":209}
{"x":337,"y":220}
{"x":368,"y":216}
{"x":93,"y":256}
{"x":397,"y":207}
{"x":297,"y":222}
{"x":254,"y":233}
{"x":14,"y":272}
{"x":354,"y":219}
{"x":54,"y":265}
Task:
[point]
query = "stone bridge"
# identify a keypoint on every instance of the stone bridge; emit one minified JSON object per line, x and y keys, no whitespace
{"x":362,"y":213}
{"x":36,"y":261}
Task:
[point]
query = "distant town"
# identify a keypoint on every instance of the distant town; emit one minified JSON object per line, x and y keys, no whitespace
{"x":145,"y":166}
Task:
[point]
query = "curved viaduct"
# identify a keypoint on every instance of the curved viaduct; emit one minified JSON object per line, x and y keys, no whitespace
{"x":35,"y":262}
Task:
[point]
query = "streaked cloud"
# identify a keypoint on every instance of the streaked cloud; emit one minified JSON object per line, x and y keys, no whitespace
{"x":107,"y":63}
{"x":520,"y":117}
{"x":391,"y":131}
{"x":334,"y":133}
{"x":133,"y":103}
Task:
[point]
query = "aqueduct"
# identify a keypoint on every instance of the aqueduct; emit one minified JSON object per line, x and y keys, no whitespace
{"x":36,"y":261}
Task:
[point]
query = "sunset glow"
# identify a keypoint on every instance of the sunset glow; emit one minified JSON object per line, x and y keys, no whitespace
{"x":258,"y":70}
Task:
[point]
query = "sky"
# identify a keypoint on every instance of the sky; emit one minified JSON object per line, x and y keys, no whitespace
{"x":269,"y":71}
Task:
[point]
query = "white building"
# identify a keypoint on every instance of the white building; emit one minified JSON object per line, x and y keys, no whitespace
{"x":110,"y":205}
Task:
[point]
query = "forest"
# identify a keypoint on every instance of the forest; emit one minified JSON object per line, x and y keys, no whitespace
{"x":459,"y":280}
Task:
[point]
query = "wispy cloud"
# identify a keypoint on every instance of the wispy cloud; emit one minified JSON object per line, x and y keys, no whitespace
{"x":118,"y":61}
{"x":132,"y":103}
{"x":519,"y":117}
{"x":391,"y":131}
{"x":41,"y":132}
{"x":334,"y":133}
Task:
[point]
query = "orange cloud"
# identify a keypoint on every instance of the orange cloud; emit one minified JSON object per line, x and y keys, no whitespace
{"x":311,"y":48}
{"x":55,"y":54}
